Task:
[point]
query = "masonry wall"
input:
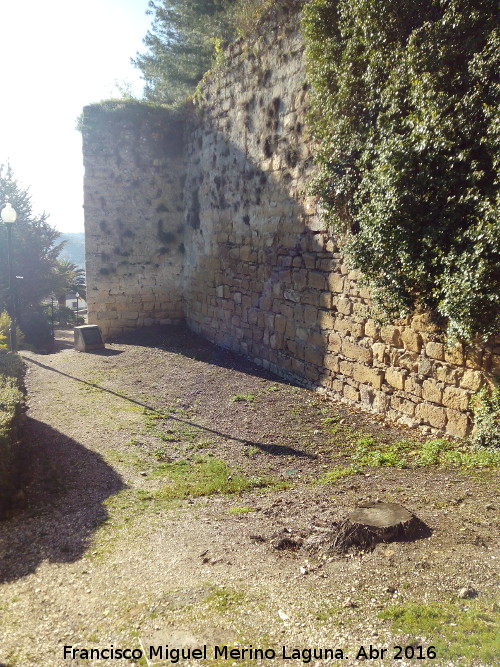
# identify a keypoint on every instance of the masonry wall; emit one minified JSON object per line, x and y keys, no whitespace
{"x":261,"y":274}
{"x":134,"y":164}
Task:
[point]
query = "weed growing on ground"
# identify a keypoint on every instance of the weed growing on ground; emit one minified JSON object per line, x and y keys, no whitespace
{"x":270,"y":390}
{"x":160,"y":454}
{"x":249,"y":397}
{"x":458,"y":630}
{"x":238,"y":398}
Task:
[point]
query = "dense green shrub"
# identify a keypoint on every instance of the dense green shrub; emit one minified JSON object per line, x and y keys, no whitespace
{"x":11,"y":400}
{"x":36,"y":328}
{"x":4,"y":330}
{"x":405,"y":112}
{"x":486,"y":408}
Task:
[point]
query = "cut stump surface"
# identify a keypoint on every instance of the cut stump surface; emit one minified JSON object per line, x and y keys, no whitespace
{"x":380,"y":515}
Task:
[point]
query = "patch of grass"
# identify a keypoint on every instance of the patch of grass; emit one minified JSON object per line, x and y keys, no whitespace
{"x":240,"y":510}
{"x":223,"y":599}
{"x":462,"y":632}
{"x":134,"y":442}
{"x":326,"y":613}
{"x":411,"y":454}
{"x":271,"y":389}
{"x":251,"y":451}
{"x":238,"y":398}
{"x":328,"y":421}
{"x":204,"y":476}
{"x":177,"y":431}
{"x":130,"y":459}
{"x":160,"y":454}
{"x":204,"y":443}
{"x":339,"y":472}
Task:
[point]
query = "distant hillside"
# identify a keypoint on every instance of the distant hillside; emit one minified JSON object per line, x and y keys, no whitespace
{"x":74,"y":250}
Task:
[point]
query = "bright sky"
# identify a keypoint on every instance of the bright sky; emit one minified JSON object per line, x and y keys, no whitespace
{"x":56,"y":57}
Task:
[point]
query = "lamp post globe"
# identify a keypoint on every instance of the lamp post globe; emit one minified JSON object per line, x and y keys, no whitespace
{"x":9,"y":216}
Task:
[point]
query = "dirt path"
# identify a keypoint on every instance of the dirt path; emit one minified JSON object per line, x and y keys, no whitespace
{"x":160,"y":478}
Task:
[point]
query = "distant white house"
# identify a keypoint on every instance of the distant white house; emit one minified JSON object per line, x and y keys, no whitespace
{"x":74,"y":303}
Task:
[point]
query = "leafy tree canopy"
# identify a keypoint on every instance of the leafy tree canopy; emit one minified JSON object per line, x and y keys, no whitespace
{"x":34,"y":252}
{"x":406,"y":114}
{"x":68,"y":277}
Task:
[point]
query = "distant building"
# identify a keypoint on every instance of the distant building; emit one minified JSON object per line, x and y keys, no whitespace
{"x":73,"y":303}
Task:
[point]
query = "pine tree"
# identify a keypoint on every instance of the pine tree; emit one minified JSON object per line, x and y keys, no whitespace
{"x":181,"y":45}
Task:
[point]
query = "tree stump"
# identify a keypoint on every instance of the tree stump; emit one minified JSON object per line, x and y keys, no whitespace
{"x":368,"y":525}
{"x":372,"y":523}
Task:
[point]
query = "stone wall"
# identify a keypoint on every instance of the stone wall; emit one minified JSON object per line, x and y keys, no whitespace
{"x":265,"y":278}
{"x":261,"y":273}
{"x":134,"y":164}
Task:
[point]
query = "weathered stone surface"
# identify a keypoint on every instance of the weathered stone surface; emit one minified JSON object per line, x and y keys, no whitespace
{"x":456,"y":398}
{"x":395,"y":378}
{"x":432,"y":391}
{"x":391,"y":335}
{"x":455,"y":354}
{"x":366,"y":375}
{"x":403,"y":405}
{"x":413,"y":386}
{"x":458,"y":423}
{"x":132,"y":218}
{"x":351,"y":393}
{"x":411,"y":340}
{"x":379,"y":352}
{"x":435,"y":350}
{"x":356,"y":352}
{"x":431,"y":414}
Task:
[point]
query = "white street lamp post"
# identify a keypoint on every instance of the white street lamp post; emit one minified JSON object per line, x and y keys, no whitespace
{"x":9,"y":217}
{"x":52,"y":297}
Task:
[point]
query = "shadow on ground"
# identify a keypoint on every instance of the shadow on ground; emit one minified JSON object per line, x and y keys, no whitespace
{"x":181,"y":340}
{"x":269,"y":448}
{"x":63,"y":486}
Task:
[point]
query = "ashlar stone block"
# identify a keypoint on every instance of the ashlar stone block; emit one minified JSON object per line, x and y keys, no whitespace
{"x":431,"y":414}
{"x":432,"y":391}
{"x":395,"y":378}
{"x":456,"y":398}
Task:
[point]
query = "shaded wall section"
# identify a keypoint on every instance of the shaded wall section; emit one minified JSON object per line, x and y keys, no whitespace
{"x":264,"y":276}
{"x":133,"y":215}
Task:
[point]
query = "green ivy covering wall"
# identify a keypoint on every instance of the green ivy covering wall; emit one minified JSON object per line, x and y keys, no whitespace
{"x":406,"y":114}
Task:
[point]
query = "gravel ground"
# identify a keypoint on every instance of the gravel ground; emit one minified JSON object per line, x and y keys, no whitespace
{"x":95,"y":554}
